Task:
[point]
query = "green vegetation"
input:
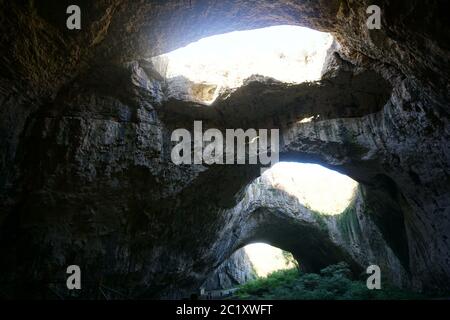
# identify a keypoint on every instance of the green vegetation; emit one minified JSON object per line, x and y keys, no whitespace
{"x":320,"y":219}
{"x":289,"y":259}
{"x":333,"y":283}
{"x":348,"y":223}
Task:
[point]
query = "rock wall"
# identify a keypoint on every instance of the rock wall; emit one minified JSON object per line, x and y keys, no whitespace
{"x":234,"y":271}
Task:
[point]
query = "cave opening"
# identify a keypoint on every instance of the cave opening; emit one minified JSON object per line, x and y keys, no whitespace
{"x":316,"y":187}
{"x":217,"y":65}
{"x":266,"y":258}
{"x":254,"y":261}
{"x":204,"y":69}
{"x":287,"y":245}
{"x":313,"y":192}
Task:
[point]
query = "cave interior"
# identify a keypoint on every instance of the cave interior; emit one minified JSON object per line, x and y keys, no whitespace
{"x":86,"y":176}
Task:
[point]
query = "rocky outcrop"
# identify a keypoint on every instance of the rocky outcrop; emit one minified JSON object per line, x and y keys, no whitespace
{"x":234,"y":271}
{"x":85,"y":170}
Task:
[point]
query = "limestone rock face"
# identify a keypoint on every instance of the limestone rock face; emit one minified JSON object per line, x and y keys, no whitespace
{"x":180,"y":88}
{"x":234,"y":271}
{"x":85,"y":170}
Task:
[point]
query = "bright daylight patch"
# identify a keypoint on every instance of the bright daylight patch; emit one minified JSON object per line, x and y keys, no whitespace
{"x":266,"y":259}
{"x":316,"y":187}
{"x":287,"y":53}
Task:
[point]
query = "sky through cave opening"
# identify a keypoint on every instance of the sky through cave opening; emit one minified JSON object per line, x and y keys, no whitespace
{"x":318,"y":188}
{"x":266,"y":259}
{"x":203,"y":69}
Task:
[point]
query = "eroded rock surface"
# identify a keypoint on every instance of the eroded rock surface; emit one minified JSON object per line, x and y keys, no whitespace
{"x":234,"y":271}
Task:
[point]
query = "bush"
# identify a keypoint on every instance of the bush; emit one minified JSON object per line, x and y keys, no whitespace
{"x":333,"y":283}
{"x":341,"y":269}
